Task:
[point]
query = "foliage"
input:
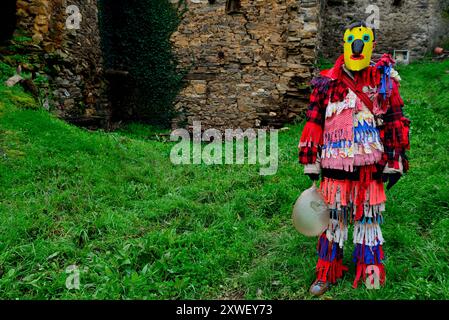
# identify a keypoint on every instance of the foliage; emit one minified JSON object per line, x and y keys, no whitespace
{"x":139,"y":227}
{"x":323,"y":63}
{"x":6,"y":71}
{"x":136,"y":38}
{"x":15,"y":95}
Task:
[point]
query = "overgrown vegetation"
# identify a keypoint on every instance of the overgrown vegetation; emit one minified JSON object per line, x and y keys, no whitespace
{"x":139,"y":227}
{"x":20,"y":51}
{"x":136,"y":39}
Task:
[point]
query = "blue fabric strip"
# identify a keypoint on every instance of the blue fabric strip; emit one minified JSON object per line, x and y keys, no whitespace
{"x":371,"y":254}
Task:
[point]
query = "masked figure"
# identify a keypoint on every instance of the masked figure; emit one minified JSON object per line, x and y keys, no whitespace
{"x":355,"y":137}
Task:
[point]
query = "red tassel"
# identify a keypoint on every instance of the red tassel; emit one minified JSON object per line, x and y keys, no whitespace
{"x":395,"y":98}
{"x":330,"y":271}
{"x":367,"y":77}
{"x":361,"y":274}
{"x":312,"y":135}
{"x":405,"y":133}
{"x":363,"y":184}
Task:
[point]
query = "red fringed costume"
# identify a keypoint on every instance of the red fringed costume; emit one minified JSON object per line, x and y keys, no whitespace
{"x":355,"y":135}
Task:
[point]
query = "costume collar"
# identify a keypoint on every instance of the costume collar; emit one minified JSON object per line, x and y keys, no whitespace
{"x":334,"y":72}
{"x":369,"y":76}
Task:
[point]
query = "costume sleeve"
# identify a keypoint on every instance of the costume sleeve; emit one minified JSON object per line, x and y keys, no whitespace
{"x":312,"y":134}
{"x":396,"y":132}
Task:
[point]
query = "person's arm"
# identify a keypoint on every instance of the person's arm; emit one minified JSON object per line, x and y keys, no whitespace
{"x":312,"y":134}
{"x":395,"y":137}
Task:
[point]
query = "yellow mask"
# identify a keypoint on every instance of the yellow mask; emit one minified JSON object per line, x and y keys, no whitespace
{"x":358,"y":47}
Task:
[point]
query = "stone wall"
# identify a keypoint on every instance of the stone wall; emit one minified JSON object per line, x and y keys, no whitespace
{"x":248,"y":69}
{"x":73,"y":57}
{"x":414,"y":25}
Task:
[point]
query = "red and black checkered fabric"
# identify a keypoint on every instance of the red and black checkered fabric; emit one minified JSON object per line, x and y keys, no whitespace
{"x":396,"y":132}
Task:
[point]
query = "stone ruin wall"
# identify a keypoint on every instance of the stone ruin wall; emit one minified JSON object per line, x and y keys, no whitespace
{"x":414,"y":25}
{"x":78,"y":87}
{"x":250,"y":69}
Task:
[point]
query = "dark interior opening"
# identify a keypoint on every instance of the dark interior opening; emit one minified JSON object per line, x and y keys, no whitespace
{"x":233,"y":6}
{"x":8,"y":20}
{"x":120,"y":89}
{"x":143,"y":80}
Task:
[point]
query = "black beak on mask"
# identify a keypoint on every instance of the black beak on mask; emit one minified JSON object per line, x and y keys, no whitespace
{"x":357,"y":47}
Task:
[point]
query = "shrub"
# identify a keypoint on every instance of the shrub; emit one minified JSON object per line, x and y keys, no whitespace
{"x":6,"y":71}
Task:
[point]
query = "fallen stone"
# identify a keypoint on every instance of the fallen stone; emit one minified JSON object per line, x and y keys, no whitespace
{"x":11,"y":82}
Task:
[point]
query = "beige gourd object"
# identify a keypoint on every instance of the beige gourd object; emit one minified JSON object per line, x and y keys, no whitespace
{"x":310,"y":213}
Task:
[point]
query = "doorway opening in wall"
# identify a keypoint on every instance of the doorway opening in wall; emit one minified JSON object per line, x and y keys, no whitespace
{"x":233,"y":6}
{"x":139,"y":62}
{"x":8,"y":20}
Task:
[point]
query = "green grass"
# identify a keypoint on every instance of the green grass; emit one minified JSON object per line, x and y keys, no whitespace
{"x":142,"y":228}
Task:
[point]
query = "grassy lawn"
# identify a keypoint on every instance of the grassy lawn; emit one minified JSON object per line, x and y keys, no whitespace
{"x":139,"y":227}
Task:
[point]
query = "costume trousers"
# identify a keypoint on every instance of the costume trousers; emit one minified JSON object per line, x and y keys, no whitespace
{"x":359,"y":203}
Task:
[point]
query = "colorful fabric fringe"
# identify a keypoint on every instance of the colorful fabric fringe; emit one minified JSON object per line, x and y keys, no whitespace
{"x":330,"y":263}
{"x":368,"y":232}
{"x":361,"y":201}
{"x":368,"y":148}
{"x":311,"y":139}
{"x":368,"y":259}
{"x":350,"y":136}
{"x":360,"y":198}
{"x":337,"y":231}
{"x":338,"y":135}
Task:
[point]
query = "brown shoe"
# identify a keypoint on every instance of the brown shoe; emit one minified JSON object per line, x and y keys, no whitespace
{"x":319,"y":287}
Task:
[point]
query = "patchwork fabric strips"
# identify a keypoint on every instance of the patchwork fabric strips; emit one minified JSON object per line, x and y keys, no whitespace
{"x":337,"y":230}
{"x":369,"y":260}
{"x":350,"y":136}
{"x":338,"y":138}
{"x":368,"y":147}
{"x":337,"y":107}
{"x":368,"y":233}
{"x":343,"y":200}
{"x":330,"y":260}
{"x":341,"y":196}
